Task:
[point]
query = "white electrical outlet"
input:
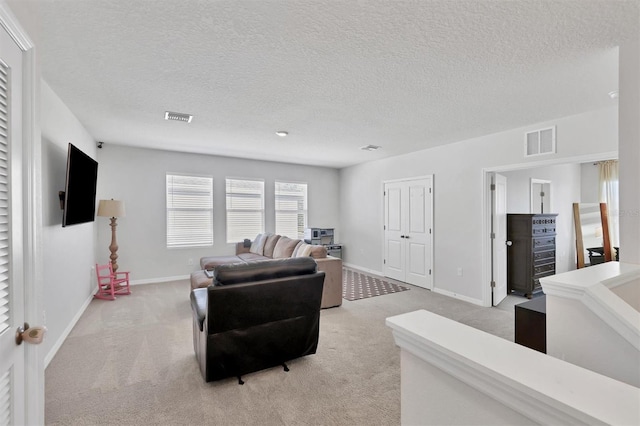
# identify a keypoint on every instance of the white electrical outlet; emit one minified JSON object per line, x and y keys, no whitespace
{"x":459,"y":272}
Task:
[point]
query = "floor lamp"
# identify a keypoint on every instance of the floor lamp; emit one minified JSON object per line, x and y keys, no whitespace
{"x":113,"y":209}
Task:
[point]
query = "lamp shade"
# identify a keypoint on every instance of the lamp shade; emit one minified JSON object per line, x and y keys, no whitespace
{"x":111,"y":208}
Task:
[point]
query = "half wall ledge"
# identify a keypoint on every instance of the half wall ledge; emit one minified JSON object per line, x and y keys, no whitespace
{"x":593,"y":319}
{"x":452,"y":373}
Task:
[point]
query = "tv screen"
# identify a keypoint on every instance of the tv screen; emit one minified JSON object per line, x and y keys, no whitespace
{"x":80,"y":188}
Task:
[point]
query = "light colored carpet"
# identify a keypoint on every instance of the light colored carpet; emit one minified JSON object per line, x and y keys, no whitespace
{"x":131,"y":361}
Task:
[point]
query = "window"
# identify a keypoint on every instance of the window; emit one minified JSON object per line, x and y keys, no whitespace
{"x":189,"y":211}
{"x":245,"y":209}
{"x":291,"y":209}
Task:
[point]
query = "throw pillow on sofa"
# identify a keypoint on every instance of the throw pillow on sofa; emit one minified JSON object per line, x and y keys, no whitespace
{"x":303,"y":250}
{"x":310,"y":250}
{"x":270,"y":244}
{"x":284,"y":247}
{"x":257,"y":247}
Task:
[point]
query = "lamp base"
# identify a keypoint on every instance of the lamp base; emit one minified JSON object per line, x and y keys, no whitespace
{"x":113,"y":248}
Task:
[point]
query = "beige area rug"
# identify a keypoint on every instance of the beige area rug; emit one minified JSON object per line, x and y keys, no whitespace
{"x":358,"y":285}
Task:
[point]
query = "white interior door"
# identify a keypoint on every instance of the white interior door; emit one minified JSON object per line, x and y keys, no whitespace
{"x":408,"y":231}
{"x":394,"y":248}
{"x":417,"y":234}
{"x":499,"y":218}
{"x":12,"y":356}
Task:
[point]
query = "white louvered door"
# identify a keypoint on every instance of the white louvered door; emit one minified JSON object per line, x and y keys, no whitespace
{"x":12,"y":359}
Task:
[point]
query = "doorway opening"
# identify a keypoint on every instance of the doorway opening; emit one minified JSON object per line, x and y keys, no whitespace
{"x":566,"y":183}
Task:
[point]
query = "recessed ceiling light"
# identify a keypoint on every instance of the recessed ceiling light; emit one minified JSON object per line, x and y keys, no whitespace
{"x":282,"y":133}
{"x":369,"y":147}
{"x":613,"y":94}
{"x":178,"y":116}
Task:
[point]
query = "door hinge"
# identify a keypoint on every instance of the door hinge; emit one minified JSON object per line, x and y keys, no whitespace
{"x":429,"y":230}
{"x":493,"y":284}
{"x":493,"y":186}
{"x":492,"y":236}
{"x":384,"y":261}
{"x":429,"y":271}
{"x":384,"y":227}
{"x":429,"y":190}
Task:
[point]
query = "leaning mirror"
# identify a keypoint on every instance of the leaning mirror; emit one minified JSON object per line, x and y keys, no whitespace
{"x":592,"y":234}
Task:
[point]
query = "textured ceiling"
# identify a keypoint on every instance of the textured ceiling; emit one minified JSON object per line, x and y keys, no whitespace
{"x":405,"y":75}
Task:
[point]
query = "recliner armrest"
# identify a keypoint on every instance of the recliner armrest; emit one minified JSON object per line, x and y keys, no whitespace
{"x":199,"y":305}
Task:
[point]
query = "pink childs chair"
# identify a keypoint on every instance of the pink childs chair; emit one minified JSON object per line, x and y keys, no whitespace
{"x":110,"y":284}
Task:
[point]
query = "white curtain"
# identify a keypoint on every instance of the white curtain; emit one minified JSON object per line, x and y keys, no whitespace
{"x":609,"y":194}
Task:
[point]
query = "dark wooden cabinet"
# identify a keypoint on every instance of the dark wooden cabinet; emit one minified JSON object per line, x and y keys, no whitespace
{"x":531,"y":324}
{"x":531,"y":254}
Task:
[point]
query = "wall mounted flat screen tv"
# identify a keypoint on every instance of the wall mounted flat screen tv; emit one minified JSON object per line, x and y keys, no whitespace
{"x":79,"y":198}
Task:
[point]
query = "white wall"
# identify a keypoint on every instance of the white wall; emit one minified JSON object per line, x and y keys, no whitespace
{"x":137,"y":176}
{"x":565,"y":190}
{"x":589,"y":183}
{"x":68,"y":253}
{"x":587,"y":341}
{"x":458,"y":194}
{"x":629,"y":152}
{"x":591,"y":324}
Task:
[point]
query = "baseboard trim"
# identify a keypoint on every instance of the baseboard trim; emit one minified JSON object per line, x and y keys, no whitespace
{"x":478,"y":302}
{"x":159,"y":280}
{"x":56,"y":347}
{"x":360,"y":268}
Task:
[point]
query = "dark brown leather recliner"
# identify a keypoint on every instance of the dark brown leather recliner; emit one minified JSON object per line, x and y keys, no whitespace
{"x":256,"y":315}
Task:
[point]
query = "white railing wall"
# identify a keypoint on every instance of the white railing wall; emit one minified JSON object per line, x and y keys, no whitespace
{"x":454,"y":374}
{"x":593,"y":319}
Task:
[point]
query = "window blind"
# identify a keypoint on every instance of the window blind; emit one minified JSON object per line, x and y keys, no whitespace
{"x":245,"y":209}
{"x":189,"y":211}
{"x":291,"y":209}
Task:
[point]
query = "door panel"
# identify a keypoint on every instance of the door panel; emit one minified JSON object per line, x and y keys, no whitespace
{"x":417,"y":208}
{"x":394,"y":243}
{"x":395,"y":209}
{"x":418,"y":237}
{"x":12,"y":373}
{"x":499,"y":217}
{"x":417,"y":263}
{"x":394,"y":263}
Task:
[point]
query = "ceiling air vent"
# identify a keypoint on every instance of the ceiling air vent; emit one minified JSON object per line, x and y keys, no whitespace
{"x":540,"y":142}
{"x":369,"y":147}
{"x":178,"y":116}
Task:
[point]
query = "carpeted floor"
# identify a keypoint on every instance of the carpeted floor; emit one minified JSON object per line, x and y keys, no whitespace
{"x":131,"y":361}
{"x":359,"y":285}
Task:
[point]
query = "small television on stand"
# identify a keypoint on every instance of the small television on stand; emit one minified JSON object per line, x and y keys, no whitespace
{"x":79,"y":197}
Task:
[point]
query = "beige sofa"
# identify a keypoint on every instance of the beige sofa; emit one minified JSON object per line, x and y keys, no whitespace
{"x":272,"y":246}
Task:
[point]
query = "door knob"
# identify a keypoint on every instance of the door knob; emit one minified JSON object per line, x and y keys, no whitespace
{"x":406,"y":236}
{"x":33,"y":335}
{"x":509,"y":243}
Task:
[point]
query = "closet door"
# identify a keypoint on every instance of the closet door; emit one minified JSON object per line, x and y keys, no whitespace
{"x":394,"y":247}
{"x":408,"y":233}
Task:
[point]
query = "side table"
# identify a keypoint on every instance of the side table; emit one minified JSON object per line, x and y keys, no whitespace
{"x":531,"y":324}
